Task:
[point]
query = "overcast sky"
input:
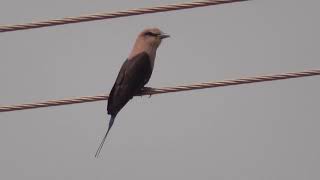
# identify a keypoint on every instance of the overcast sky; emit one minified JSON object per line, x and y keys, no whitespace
{"x":258,"y":131}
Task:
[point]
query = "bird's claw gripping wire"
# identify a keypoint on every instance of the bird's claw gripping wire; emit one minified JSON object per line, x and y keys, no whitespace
{"x":146,"y":91}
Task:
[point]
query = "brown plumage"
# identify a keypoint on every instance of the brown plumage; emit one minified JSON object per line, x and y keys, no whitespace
{"x":134,"y":73}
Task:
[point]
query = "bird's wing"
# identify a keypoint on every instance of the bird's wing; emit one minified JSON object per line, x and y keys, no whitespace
{"x":133,"y":75}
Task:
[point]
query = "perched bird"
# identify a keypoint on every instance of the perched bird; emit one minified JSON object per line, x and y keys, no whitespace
{"x":134,"y":73}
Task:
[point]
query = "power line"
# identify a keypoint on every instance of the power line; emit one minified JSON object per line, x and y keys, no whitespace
{"x":151,"y":91}
{"x":100,"y":16}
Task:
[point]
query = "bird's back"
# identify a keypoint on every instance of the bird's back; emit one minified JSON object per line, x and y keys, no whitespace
{"x":133,"y":75}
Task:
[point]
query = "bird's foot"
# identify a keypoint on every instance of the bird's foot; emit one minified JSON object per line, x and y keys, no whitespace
{"x":147,"y":91}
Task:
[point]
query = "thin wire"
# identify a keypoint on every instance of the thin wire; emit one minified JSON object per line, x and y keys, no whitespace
{"x":100,"y":16}
{"x":151,"y":91}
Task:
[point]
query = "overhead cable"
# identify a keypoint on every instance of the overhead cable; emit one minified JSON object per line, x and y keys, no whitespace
{"x":106,"y":15}
{"x":152,"y":91}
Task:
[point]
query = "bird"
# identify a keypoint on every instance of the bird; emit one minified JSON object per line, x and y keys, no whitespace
{"x":134,"y":74}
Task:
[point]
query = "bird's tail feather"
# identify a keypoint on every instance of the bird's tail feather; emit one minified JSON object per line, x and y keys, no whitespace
{"x":105,"y":136}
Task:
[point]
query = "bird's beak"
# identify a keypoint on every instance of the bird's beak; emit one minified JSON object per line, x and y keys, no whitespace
{"x":164,"y":35}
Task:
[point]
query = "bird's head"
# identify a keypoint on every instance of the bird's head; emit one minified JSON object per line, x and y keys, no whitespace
{"x":152,"y":37}
{"x":148,"y":41}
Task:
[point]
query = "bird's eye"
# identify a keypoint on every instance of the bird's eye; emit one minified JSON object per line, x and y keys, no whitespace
{"x":150,"y":34}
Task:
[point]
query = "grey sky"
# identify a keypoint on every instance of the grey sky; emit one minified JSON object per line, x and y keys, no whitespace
{"x":257,"y":131}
